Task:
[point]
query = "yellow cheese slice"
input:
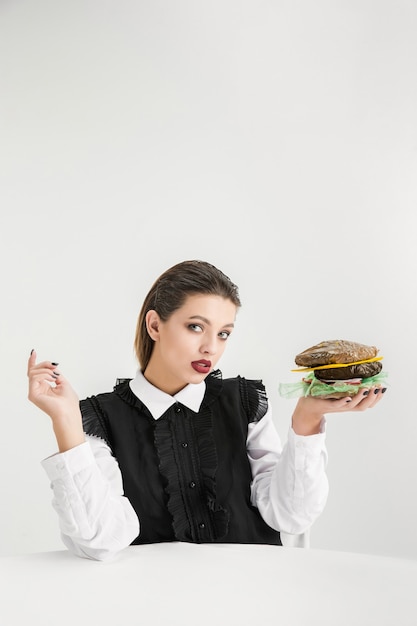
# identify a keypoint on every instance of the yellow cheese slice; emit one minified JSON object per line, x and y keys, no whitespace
{"x":333,"y":365}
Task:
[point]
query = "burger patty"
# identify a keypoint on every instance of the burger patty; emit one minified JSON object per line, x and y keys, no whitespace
{"x":361,"y":370}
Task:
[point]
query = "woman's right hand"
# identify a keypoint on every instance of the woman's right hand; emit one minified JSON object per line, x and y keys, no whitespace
{"x":57,"y":400}
{"x":50,"y":391}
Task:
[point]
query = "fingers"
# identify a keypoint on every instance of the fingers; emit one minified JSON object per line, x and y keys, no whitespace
{"x":31,"y":361}
{"x":32,"y":365}
{"x":39,"y":378}
{"x":39,"y":373}
{"x":366,"y":398}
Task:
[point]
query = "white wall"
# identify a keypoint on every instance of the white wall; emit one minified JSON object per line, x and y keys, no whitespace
{"x":276,"y":140}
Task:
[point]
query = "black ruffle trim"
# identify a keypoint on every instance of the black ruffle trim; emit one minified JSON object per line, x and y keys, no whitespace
{"x":165,"y":440}
{"x":168,"y":465}
{"x":254,"y":398}
{"x":94,"y":421}
{"x":123,"y":390}
{"x":208,"y":464}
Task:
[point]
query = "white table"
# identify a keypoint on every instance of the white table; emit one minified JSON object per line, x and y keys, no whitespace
{"x":180,"y":584}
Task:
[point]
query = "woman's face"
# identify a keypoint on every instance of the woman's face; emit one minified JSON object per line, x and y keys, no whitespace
{"x":189,"y":344}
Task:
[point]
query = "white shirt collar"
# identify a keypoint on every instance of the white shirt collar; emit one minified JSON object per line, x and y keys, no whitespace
{"x":158,"y":401}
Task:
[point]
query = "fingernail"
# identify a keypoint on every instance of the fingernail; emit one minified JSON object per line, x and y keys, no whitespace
{"x":54,"y":364}
{"x":376,"y":390}
{"x":383,"y":390}
{"x":56,"y":373}
{"x":32,"y":351}
{"x":348,"y":400}
{"x":365,"y":393}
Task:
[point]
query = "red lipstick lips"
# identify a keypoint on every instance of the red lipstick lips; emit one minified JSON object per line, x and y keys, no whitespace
{"x":202,"y":367}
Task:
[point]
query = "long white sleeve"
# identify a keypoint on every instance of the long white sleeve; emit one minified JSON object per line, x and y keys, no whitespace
{"x":95,"y":518}
{"x":97,"y":521}
{"x":290,"y":486}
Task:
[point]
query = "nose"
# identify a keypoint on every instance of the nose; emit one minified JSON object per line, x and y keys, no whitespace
{"x":209,"y":345}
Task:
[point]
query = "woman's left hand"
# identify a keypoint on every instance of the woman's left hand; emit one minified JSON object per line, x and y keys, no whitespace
{"x":309,"y":411}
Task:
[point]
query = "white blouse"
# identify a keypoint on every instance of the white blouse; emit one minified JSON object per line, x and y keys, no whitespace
{"x":96,"y":520}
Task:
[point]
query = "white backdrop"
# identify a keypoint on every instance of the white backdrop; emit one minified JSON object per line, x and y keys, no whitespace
{"x":275,"y":139}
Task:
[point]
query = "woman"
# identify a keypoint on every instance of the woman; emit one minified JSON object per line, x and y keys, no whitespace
{"x":178,"y":453}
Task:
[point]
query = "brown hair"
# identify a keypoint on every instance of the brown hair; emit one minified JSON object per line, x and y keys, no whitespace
{"x":169,"y":292}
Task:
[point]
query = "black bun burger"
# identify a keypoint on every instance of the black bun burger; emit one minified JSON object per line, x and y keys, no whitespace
{"x":335,"y":369}
{"x":341,"y":360}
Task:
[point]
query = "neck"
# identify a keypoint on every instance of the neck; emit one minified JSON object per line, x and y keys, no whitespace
{"x":164,"y":382}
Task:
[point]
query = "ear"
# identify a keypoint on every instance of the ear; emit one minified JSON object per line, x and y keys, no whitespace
{"x":152,"y":324}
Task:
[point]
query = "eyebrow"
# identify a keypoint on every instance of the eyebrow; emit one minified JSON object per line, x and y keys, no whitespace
{"x":207,"y":321}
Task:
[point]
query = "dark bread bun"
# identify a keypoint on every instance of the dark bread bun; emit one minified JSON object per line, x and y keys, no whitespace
{"x":335,"y":351}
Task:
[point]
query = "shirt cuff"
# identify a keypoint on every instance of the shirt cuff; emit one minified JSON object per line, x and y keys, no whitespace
{"x":70,"y":462}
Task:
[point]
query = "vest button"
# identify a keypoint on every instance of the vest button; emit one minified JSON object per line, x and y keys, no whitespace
{"x":192,"y":484}
{"x":201,"y":525}
{"x":177,"y":409}
{"x":184,"y":444}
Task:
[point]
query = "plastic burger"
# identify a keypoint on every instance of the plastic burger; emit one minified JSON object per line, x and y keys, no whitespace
{"x":335,"y":369}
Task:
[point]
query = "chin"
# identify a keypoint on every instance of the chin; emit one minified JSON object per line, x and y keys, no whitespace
{"x":198,"y":377}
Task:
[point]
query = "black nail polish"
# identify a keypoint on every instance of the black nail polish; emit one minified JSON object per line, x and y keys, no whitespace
{"x":376,"y":390}
{"x":32,"y":351}
{"x":54,"y":364}
{"x":365,"y":393}
{"x":383,"y":390}
{"x":56,"y":373}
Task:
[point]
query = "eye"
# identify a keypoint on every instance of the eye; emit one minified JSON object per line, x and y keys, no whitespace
{"x":224,"y":334}
{"x":195,"y":328}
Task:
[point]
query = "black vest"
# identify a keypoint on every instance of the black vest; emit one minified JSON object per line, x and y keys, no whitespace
{"x":186,"y":474}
